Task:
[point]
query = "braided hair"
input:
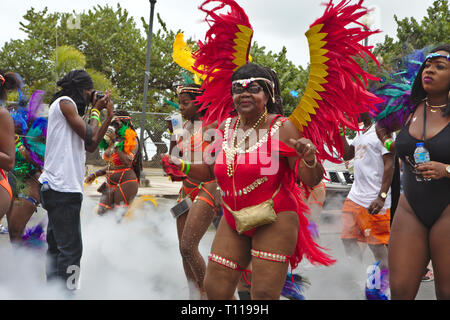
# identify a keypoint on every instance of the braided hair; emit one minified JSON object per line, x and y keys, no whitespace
{"x":72,"y":85}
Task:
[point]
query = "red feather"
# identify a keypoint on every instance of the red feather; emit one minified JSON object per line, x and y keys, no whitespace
{"x":344,"y":96}
{"x":216,"y":56}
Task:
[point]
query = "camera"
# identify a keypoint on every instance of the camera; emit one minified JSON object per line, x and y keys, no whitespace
{"x":99,"y":96}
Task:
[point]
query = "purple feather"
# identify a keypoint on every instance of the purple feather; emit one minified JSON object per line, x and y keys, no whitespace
{"x":393,"y":112}
{"x":35,"y":106}
{"x":34,"y":237}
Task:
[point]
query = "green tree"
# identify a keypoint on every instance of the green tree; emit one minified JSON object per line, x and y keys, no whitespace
{"x":113,"y":45}
{"x":412,"y":34}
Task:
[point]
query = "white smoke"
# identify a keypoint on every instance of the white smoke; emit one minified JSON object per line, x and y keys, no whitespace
{"x":135,"y":259}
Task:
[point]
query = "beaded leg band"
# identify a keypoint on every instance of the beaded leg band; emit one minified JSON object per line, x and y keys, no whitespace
{"x":229,"y":264}
{"x":276,"y":257}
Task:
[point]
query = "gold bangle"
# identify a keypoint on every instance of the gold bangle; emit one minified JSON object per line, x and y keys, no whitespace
{"x":312,"y":165}
{"x":182,"y":165}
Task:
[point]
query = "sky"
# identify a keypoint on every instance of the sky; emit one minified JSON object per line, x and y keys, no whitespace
{"x":275,"y":23}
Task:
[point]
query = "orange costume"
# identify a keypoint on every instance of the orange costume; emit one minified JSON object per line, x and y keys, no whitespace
{"x":114,"y":184}
{"x":5,"y":184}
{"x":195,"y":144}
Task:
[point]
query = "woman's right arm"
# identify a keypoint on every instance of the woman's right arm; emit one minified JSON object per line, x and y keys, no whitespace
{"x":7,"y":143}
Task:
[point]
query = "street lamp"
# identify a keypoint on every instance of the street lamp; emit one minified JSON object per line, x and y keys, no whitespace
{"x":147,"y":77}
{"x":368,"y":22}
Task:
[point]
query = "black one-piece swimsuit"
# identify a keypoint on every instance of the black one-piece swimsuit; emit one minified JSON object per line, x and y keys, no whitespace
{"x":428,"y":199}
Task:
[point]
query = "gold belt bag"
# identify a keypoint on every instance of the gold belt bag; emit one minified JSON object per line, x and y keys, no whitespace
{"x":254,"y":216}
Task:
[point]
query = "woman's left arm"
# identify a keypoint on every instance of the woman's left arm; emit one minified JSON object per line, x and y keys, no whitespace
{"x":309,"y":170}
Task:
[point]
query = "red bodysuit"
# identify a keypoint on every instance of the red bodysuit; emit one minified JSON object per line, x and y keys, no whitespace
{"x":257,"y":175}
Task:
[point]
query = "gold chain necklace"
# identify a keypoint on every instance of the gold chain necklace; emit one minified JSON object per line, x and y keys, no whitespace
{"x":231,"y":151}
{"x":430,"y":106}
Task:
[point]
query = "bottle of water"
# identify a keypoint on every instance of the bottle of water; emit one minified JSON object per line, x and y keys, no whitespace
{"x":177,"y":123}
{"x":421,"y":155}
{"x":45,"y":186}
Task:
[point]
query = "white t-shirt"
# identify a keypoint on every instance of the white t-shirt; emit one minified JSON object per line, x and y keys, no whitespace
{"x":368,"y":169}
{"x":65,"y":156}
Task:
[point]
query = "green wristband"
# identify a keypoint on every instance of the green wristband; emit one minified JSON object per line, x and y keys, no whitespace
{"x":96,"y":118}
{"x":387,"y":144}
{"x":188,"y":167}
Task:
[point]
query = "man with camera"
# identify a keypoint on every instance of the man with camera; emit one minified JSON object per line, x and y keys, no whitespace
{"x":68,"y":137}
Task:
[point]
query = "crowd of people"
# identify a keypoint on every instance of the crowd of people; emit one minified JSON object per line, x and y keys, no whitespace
{"x":254,"y":171}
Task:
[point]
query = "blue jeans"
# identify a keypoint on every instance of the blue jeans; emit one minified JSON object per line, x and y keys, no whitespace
{"x":63,"y":235}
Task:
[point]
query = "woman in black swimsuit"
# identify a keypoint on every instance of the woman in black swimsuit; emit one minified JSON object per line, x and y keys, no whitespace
{"x":421,"y":226}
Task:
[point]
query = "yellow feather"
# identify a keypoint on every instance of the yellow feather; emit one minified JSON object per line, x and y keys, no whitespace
{"x":182,"y":55}
{"x":317,"y":76}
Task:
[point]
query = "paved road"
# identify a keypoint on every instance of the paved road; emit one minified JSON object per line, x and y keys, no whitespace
{"x":139,"y":259}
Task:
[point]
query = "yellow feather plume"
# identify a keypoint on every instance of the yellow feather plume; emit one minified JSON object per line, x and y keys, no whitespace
{"x":182,"y":55}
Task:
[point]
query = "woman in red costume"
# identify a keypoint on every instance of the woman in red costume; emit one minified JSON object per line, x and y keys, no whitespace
{"x":193,"y":224}
{"x":123,"y":157}
{"x":8,"y":81}
{"x":262,"y":156}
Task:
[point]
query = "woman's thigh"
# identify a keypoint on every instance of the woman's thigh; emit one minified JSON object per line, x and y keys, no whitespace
{"x":198,"y":220}
{"x":5,"y":202}
{"x":440,"y":254}
{"x":408,"y":251}
{"x":228,"y":244}
{"x":279,"y":237}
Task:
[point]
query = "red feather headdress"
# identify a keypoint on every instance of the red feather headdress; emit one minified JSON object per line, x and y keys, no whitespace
{"x":225,"y":48}
{"x":336,"y":91}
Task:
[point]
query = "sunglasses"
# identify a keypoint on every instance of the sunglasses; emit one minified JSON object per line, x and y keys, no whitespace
{"x":412,"y":166}
{"x":238,"y":88}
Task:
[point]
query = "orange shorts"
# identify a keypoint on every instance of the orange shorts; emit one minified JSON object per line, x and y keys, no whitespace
{"x":358,"y":224}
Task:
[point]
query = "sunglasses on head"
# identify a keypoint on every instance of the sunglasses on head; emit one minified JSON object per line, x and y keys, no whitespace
{"x":238,"y":88}
{"x":437,"y":55}
{"x":241,"y":85}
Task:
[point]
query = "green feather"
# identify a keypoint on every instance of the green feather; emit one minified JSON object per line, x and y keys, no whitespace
{"x":173,"y":104}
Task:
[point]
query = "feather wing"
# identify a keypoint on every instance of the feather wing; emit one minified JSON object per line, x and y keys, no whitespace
{"x":225,"y":48}
{"x":335,"y":94}
{"x":35,"y":105}
{"x":182,"y":55}
{"x":396,"y":105}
